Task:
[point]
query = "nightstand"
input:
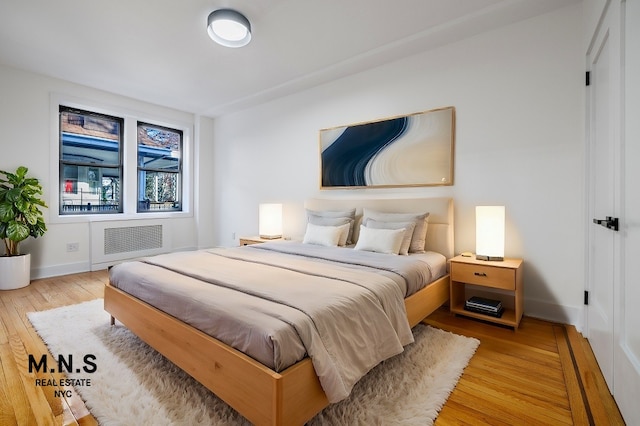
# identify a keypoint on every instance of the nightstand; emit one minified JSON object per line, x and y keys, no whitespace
{"x":477,"y":274}
{"x":245,"y":241}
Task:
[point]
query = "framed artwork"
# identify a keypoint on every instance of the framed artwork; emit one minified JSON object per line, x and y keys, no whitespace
{"x":408,"y":150}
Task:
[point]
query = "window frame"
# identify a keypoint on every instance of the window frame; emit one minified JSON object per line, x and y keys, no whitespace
{"x":140,"y":169}
{"x":156,"y":115}
{"x":62,"y":162}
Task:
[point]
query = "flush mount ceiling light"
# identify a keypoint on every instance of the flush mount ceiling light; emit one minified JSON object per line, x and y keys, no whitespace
{"x":229,"y":28}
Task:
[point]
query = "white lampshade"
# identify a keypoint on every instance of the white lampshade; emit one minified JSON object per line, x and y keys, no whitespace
{"x":490,"y":232}
{"x":270,"y":226}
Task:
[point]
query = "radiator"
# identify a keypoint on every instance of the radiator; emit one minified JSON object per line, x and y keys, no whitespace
{"x":113,"y":242}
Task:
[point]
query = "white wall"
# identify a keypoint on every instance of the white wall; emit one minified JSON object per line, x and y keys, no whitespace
{"x":25,"y":120}
{"x":519,"y":98}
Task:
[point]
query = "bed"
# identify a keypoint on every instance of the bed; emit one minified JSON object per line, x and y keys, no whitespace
{"x":285,"y":391}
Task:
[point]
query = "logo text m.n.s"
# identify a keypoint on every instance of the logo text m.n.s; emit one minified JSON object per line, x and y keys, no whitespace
{"x":64,"y":364}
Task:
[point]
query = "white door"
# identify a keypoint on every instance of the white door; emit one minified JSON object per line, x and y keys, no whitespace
{"x":613,"y":317}
{"x":626,"y":376}
{"x":604,"y":119}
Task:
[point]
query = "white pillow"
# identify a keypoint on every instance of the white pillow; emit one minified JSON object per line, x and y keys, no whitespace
{"x":333,"y":217}
{"x":324,"y":235}
{"x":419,"y":237}
{"x":408,"y":231}
{"x":334,"y":221}
{"x":380,"y":240}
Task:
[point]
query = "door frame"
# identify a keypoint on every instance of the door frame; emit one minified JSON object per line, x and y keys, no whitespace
{"x":612,"y":7}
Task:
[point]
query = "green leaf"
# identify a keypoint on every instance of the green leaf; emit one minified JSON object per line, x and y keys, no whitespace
{"x":39,"y":202}
{"x":17,"y":231}
{"x":14,"y":194}
{"x":10,"y":176}
{"x":22,"y":205}
{"x":39,"y":229}
{"x":6,"y":212}
{"x":31,"y":217}
{"x":21,"y":172}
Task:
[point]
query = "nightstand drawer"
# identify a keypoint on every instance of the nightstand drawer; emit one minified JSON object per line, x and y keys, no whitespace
{"x":487,"y":276}
{"x":246,"y":241}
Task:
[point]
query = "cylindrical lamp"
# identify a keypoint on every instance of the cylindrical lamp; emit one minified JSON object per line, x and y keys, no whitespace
{"x":270,"y":216}
{"x":490,"y":232}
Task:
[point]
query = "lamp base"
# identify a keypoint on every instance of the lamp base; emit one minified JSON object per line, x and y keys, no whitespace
{"x":270,"y":237}
{"x":491,"y":258}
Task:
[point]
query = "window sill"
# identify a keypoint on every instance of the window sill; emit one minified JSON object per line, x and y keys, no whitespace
{"x":87,"y":218}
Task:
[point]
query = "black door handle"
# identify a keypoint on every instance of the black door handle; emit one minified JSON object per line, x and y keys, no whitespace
{"x":608,"y":222}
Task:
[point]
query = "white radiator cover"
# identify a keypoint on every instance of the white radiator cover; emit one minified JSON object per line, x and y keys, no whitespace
{"x":115,"y":241}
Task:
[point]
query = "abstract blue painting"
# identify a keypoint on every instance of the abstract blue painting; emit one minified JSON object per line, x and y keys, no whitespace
{"x":409,"y":150}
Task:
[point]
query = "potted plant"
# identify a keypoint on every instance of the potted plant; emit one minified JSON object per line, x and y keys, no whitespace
{"x":20,"y":218}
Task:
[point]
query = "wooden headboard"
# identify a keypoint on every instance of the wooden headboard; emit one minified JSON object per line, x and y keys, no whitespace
{"x":440,"y":230}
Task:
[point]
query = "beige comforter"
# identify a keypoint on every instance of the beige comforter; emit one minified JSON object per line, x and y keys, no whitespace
{"x":349,"y":315}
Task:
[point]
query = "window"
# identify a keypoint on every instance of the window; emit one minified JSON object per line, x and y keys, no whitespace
{"x":90,"y":162}
{"x":119,"y":162}
{"x":159,"y":168}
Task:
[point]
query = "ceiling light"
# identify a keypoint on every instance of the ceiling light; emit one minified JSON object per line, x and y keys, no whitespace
{"x":229,"y":28}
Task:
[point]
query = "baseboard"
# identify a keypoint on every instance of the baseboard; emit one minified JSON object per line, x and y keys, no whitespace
{"x":556,"y":313}
{"x":77,"y":267}
{"x":57,"y":270}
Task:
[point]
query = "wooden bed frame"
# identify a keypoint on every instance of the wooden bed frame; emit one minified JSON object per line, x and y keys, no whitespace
{"x":261,"y":395}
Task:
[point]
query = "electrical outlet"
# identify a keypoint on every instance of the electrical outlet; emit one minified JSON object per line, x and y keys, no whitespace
{"x":73,"y":247}
{"x":233,"y":235}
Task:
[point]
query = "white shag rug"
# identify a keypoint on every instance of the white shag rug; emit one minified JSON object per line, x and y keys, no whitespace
{"x":134,"y":384}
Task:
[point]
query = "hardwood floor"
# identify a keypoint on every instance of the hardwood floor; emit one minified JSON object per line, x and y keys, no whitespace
{"x":542,"y":374}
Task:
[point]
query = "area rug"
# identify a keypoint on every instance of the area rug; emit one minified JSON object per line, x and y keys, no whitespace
{"x":124,"y":381}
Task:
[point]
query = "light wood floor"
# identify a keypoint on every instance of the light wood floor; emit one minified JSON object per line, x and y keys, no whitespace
{"x":543,"y":374}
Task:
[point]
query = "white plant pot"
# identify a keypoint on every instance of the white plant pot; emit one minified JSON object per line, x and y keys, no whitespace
{"x":15,"y":271}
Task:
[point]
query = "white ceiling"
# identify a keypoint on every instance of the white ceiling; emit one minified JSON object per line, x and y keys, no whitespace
{"x":159,"y":51}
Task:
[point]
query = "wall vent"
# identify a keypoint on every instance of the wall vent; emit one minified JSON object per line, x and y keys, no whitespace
{"x":132,"y":238}
{"x":115,"y":241}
